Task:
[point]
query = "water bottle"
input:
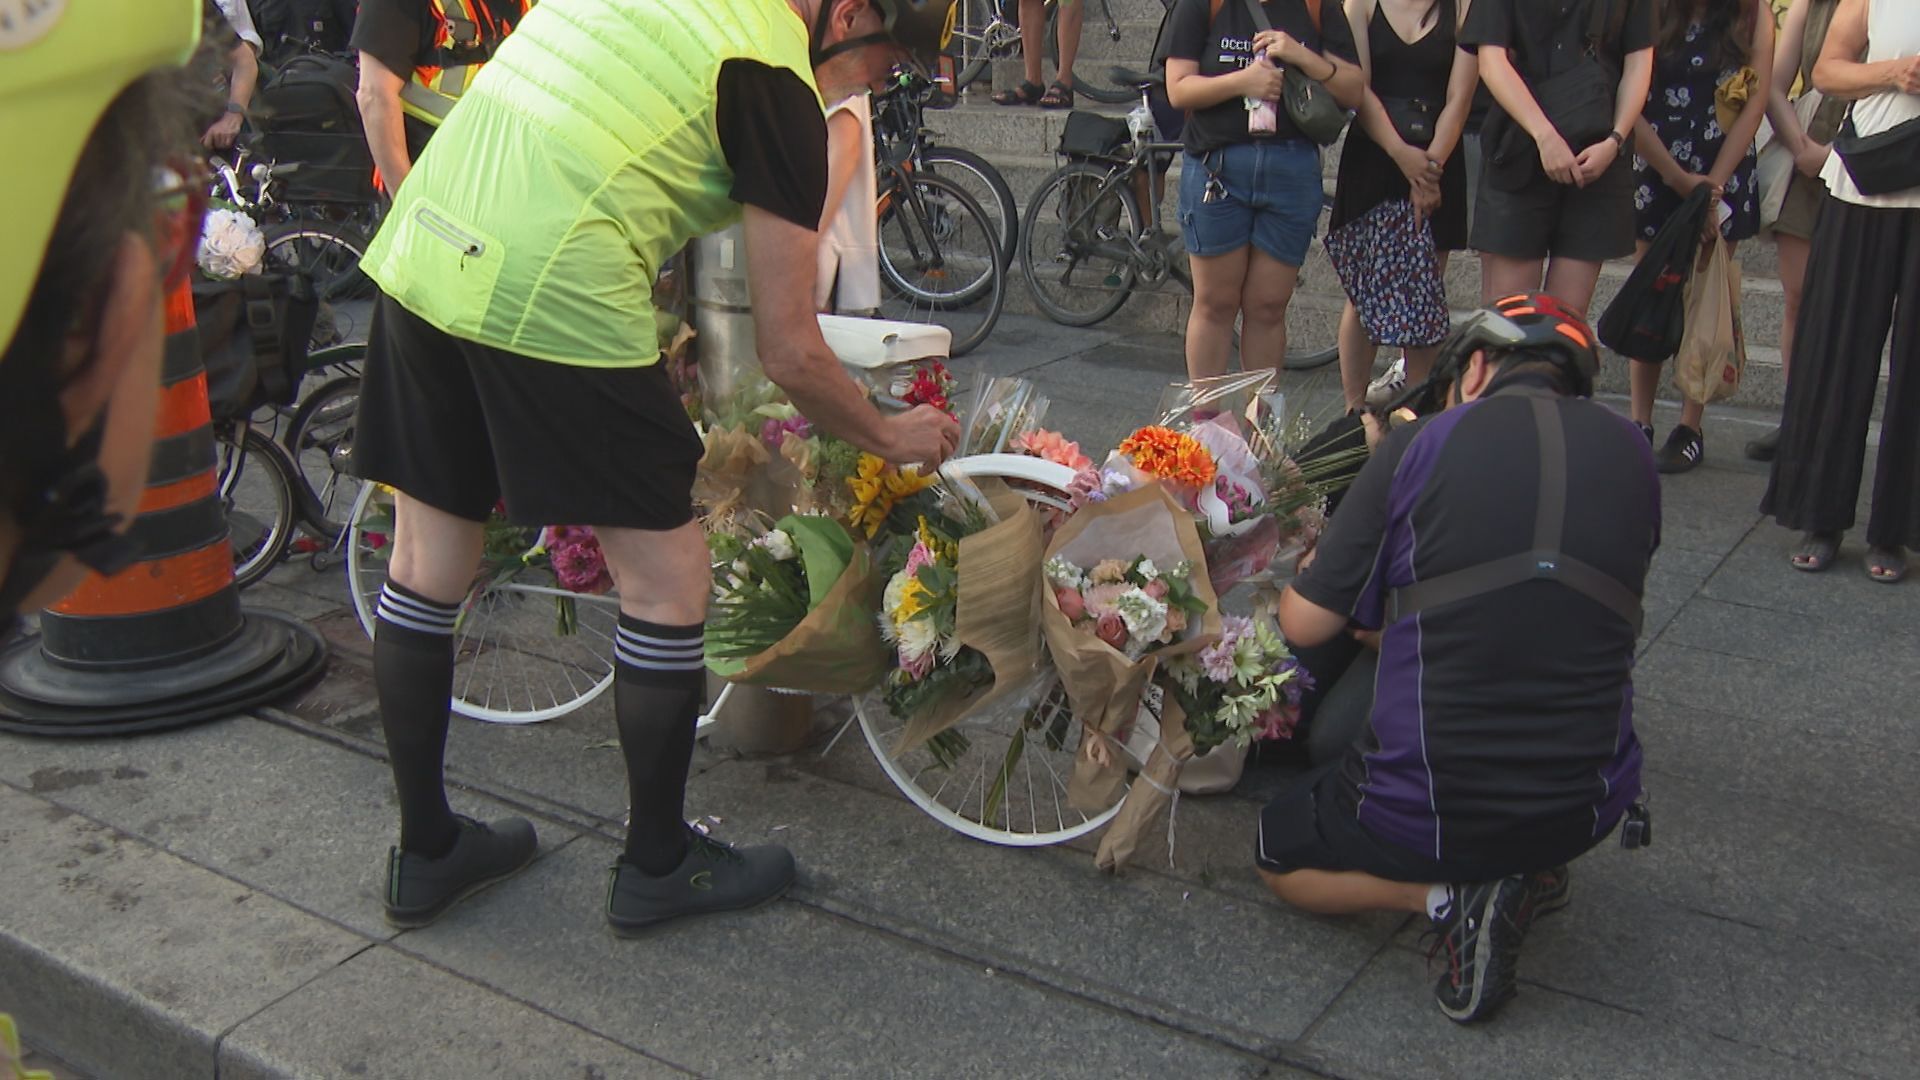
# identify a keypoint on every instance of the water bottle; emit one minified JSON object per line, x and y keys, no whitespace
{"x":1262,"y":116}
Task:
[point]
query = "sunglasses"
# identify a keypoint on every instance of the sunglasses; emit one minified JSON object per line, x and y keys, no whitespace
{"x":181,"y":205}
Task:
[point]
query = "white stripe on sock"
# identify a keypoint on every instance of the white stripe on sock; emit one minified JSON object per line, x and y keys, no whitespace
{"x":632,"y":638}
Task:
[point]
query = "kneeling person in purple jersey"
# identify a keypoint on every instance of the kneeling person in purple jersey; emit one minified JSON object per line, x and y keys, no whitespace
{"x":1500,"y":549}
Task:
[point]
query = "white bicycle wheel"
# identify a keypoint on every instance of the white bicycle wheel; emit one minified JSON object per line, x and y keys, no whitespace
{"x":1002,"y":775}
{"x":513,"y":664}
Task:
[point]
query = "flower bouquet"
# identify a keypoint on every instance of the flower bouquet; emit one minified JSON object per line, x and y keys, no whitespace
{"x":960,"y":610}
{"x":1244,"y":686}
{"x":792,"y":609}
{"x":1127,"y":592}
{"x":231,"y":245}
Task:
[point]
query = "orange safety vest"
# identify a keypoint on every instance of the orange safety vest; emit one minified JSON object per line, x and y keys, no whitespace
{"x":465,"y":34}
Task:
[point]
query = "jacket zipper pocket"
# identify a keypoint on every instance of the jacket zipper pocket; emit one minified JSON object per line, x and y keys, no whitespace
{"x":469,"y":246}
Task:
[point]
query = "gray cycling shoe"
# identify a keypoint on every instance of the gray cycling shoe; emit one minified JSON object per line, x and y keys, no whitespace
{"x":714,"y":877}
{"x":420,"y":890}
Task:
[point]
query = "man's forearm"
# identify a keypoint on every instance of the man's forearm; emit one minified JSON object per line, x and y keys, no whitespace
{"x":386,"y":129}
{"x":245,"y":76}
{"x":820,"y":388}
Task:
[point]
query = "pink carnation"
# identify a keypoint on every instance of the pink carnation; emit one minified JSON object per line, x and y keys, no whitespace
{"x":578,"y":564}
{"x":917,"y":667}
{"x":1051,"y":446}
{"x":1276,"y":723}
{"x":1101,"y":598}
{"x":918,"y":558}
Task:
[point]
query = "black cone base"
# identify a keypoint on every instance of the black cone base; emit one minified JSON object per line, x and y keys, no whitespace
{"x":273,"y":656}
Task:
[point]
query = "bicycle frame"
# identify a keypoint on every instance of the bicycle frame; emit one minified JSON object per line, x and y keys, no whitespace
{"x":1138,"y":248}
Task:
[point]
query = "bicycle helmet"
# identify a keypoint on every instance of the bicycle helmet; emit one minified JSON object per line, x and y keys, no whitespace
{"x":62,"y":62}
{"x":922,"y":27}
{"x":1533,"y":323}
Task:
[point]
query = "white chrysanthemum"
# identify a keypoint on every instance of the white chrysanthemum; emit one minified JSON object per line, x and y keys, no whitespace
{"x":918,"y":638}
{"x":230,"y":245}
{"x":1146,"y":618}
{"x":778,"y":544}
{"x":1147,"y":570}
{"x":896,"y":592}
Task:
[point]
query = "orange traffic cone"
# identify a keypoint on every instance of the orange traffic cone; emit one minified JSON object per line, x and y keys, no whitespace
{"x":163,"y":643}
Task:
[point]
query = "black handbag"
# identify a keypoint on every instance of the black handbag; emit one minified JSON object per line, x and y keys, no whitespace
{"x":1884,"y":162}
{"x":1413,"y":119}
{"x":1580,"y":101}
{"x":1309,"y":104}
{"x":1648,"y":317}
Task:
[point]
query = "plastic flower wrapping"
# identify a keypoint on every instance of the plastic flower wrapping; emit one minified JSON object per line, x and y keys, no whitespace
{"x":231,"y":245}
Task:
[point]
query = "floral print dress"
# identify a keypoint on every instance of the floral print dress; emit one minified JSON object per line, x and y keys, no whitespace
{"x":1681,"y":111}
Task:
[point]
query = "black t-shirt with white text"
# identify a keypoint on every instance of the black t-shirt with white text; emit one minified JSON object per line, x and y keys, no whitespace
{"x":1222,"y":44}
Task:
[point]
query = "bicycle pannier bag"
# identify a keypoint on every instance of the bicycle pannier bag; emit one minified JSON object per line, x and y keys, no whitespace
{"x":1091,"y":135}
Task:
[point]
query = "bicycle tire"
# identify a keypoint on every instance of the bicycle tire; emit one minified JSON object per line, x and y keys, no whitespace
{"x":1035,"y":233}
{"x":975,"y":53}
{"x":961,"y":215}
{"x":1002,"y":208}
{"x":329,"y":252}
{"x":319,"y":439}
{"x":1125,"y":55}
{"x":259,"y":543}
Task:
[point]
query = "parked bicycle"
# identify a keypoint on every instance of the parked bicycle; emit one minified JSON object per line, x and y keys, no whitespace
{"x":283,"y":472}
{"x":988,"y":30}
{"x":941,"y":256}
{"x":1086,"y":243}
{"x":901,"y":137}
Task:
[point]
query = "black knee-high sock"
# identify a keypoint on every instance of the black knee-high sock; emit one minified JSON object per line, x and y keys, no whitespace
{"x":657,"y":693}
{"x":413,"y":675}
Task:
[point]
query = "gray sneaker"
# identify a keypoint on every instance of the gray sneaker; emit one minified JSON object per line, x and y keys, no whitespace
{"x":714,"y":877}
{"x":420,"y":890}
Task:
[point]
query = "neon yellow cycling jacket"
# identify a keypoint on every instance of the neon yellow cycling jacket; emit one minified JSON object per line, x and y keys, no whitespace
{"x":584,"y":154}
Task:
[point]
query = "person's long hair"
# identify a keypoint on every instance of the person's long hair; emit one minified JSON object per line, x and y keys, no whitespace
{"x":1728,"y":25}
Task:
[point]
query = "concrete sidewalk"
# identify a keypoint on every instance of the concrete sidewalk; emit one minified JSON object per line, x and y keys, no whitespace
{"x":206,"y":903}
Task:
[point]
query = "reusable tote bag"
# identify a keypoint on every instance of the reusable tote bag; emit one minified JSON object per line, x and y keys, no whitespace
{"x":1712,"y":351}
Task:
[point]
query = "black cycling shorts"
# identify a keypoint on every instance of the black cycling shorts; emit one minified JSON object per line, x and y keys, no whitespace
{"x":1306,"y":828}
{"x":460,"y":426}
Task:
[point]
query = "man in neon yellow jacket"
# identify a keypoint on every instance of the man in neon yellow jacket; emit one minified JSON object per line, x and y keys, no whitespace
{"x":512,"y":356}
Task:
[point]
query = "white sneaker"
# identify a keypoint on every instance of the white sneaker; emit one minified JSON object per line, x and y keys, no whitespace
{"x":1388,"y":385}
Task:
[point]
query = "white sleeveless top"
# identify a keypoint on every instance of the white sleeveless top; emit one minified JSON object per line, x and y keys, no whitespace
{"x":850,"y":246}
{"x":1893,"y":32}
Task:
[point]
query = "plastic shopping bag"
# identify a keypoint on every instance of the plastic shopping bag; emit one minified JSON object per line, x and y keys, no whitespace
{"x":1713,"y":351}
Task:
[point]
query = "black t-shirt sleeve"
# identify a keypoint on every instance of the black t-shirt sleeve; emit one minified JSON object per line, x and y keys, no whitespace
{"x":1490,"y":22}
{"x":1637,"y":30}
{"x":1187,"y":36}
{"x":392,"y":32}
{"x":1336,"y":34}
{"x":774,"y":134}
{"x":1345,"y":575}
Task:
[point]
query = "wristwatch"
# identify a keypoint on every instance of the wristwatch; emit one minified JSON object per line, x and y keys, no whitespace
{"x":236,"y":107}
{"x":1619,"y":140}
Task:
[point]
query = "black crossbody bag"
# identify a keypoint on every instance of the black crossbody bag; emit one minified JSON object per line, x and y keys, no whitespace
{"x":1884,"y":162}
{"x":1579,"y":102}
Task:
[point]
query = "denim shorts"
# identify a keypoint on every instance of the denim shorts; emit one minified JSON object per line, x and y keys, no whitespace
{"x":1273,"y":198}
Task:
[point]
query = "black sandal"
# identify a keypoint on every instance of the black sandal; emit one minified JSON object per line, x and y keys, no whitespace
{"x":1058,"y":96}
{"x":1816,"y":552}
{"x":1887,"y":565}
{"x":1027,"y":93}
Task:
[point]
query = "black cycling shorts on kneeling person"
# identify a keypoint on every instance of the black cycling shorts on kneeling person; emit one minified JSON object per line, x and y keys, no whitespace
{"x":459,"y":426}
{"x":1305,"y":827}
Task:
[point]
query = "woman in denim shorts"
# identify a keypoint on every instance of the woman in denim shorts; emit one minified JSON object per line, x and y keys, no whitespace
{"x":1249,"y":199}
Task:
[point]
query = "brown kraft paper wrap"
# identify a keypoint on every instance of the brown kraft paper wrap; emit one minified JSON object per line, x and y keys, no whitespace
{"x":1157,"y":786}
{"x":837,"y":648}
{"x":1103,"y":683}
{"x":998,"y":610}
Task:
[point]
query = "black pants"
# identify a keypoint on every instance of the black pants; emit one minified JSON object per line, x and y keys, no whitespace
{"x":1862,"y":279}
